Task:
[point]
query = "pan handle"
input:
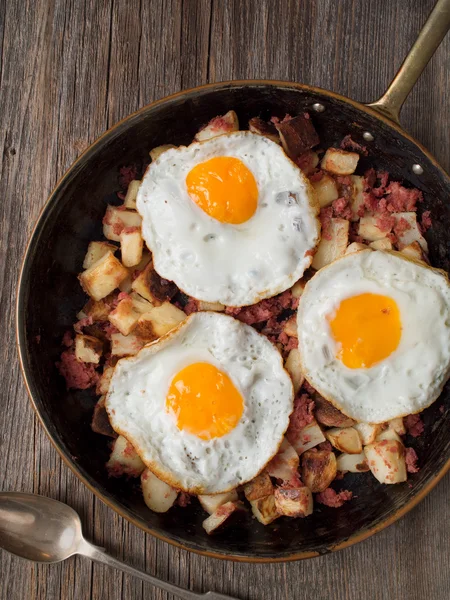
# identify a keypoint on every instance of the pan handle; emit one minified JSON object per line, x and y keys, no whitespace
{"x":431,"y":35}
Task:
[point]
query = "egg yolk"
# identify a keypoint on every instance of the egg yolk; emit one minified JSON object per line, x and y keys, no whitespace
{"x":224,"y":188}
{"x":204,"y":401}
{"x":367,"y":328}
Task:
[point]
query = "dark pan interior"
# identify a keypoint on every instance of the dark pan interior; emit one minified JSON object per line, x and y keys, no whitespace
{"x":50,"y":296}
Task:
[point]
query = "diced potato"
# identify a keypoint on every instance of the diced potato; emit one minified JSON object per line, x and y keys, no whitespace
{"x":307,"y":438}
{"x":88,"y":349}
{"x":131,"y":245}
{"x":152,"y":287}
{"x":95,"y":251}
{"x":218,"y":126}
{"x":339,"y":162}
{"x":413,"y":251}
{"x":125,"y":345}
{"x":97,"y":310}
{"x":257,"y":125}
{"x":285,"y":464}
{"x":124,"y":459}
{"x":158,"y":495}
{"x":104,"y":381}
{"x":265,"y":509}
{"x":326,"y":190}
{"x":369,"y":230}
{"x":367,"y":432}
{"x":100,"y":420}
{"x":331,"y":249}
{"x":145,"y":260}
{"x":318,"y":468}
{"x":290,"y":326}
{"x":329,"y":415}
{"x":103,"y":277}
{"x":353,"y":463}
{"x":218,"y":518}
{"x":298,"y":135}
{"x":125,"y":285}
{"x":116,"y":219}
{"x":397,"y":425}
{"x":131,"y":195}
{"x":298,"y":287}
{"x":215,"y":306}
{"x":259,"y":487}
{"x":155,"y":153}
{"x":357,"y":200}
{"x":294,"y":502}
{"x":124,"y":316}
{"x":293,"y":367}
{"x":413,"y":233}
{"x":140,"y":304}
{"x":388,"y":434}
{"x":355,"y":247}
{"x":159,"y":320}
{"x":386,"y":460}
{"x":344,"y":439}
{"x":383,"y":244}
{"x":211,"y":503}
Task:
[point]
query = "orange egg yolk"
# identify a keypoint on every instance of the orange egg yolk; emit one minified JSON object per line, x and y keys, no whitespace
{"x":367,"y":328}
{"x":224,"y":188}
{"x":204,"y":401}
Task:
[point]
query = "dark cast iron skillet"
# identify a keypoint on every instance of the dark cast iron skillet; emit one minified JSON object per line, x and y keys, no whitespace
{"x":50,"y":296}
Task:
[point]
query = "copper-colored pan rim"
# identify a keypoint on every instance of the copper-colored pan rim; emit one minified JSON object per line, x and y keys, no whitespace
{"x":358,"y":537}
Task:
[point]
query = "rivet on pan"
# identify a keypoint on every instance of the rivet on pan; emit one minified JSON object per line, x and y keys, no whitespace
{"x":417,"y":169}
{"x":368,"y":136}
{"x":318,"y":107}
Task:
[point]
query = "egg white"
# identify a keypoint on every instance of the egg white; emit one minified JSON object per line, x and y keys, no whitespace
{"x":236,"y":265}
{"x":136,"y":404}
{"x":413,"y":376}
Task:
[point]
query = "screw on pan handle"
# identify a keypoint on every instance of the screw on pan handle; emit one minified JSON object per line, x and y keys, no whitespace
{"x":431,"y":35}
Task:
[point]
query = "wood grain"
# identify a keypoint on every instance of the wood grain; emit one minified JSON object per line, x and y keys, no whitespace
{"x":68,"y":70}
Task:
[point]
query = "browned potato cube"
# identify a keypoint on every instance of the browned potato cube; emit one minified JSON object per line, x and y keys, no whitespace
{"x":294,"y":368}
{"x":158,"y":495}
{"x":329,"y":415}
{"x":369,"y":230}
{"x":383,"y":244}
{"x":355,"y":247}
{"x":357,"y":200}
{"x":124,"y":316}
{"x":152,"y":287}
{"x":367,"y":432}
{"x":388,"y":434}
{"x":125,"y":345}
{"x":116,"y":219}
{"x":100,"y":420}
{"x":97,"y":310}
{"x":131,"y":195}
{"x":319,"y":468}
{"x":218,"y":518}
{"x":104,"y":381}
{"x":334,"y":247}
{"x":326,"y":190}
{"x":218,"y":126}
{"x":412,"y":234}
{"x":344,"y":439}
{"x":298,"y":135}
{"x":290,"y":326}
{"x":211,"y":502}
{"x":285,"y":464}
{"x":339,"y":162}
{"x":214,"y":306}
{"x":131,"y":245}
{"x":298,"y":287}
{"x":265,"y":509}
{"x":352,"y":463}
{"x":257,"y":125}
{"x":413,"y":251}
{"x":294,"y":502}
{"x":88,"y":348}
{"x":103,"y":277}
{"x":95,"y":251}
{"x":124,"y":459}
{"x":155,"y":153}
{"x":258,"y":487}
{"x":398,"y":425}
{"x":387,"y":461}
{"x":159,"y":320}
{"x":307,"y":438}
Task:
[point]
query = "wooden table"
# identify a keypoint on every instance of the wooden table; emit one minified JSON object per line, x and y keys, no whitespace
{"x":69,"y":70}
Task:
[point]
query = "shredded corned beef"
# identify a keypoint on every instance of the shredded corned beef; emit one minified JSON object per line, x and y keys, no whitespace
{"x":78,"y":375}
{"x":411,"y":459}
{"x":108,"y":329}
{"x":414,"y":425}
{"x":285,"y":119}
{"x":183,"y":499}
{"x":306,"y":161}
{"x":425,"y":221}
{"x":67,"y":339}
{"x":301,"y":416}
{"x":290,"y":344}
{"x":333,"y":499}
{"x":126,"y":175}
{"x":326,"y":214}
{"x":264,"y":310}
{"x":325,"y":446}
{"x":315,"y":176}
{"x":401,"y":226}
{"x":122,"y":296}
{"x":349,"y":144}
{"x":402,"y":199}
{"x":191,"y":306}
{"x":78,"y":327}
{"x":385,"y":222}
{"x":341,"y":209}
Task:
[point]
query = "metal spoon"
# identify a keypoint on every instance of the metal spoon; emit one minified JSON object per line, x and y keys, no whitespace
{"x":48,"y":531}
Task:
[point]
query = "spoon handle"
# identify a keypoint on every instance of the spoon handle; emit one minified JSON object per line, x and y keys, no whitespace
{"x":99,"y":555}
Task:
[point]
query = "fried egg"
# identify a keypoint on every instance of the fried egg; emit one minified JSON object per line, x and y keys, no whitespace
{"x":230,"y":220}
{"x":374,"y":334}
{"x":206,"y":406}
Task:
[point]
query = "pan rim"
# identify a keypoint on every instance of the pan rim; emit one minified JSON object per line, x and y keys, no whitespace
{"x":45,"y":420}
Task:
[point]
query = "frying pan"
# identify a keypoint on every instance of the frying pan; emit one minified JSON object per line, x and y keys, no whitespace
{"x":50,"y":296}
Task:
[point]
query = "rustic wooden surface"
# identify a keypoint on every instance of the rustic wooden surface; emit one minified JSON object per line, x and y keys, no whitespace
{"x":69,"y":69}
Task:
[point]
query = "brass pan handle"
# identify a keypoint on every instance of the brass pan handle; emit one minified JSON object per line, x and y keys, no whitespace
{"x":431,"y":35}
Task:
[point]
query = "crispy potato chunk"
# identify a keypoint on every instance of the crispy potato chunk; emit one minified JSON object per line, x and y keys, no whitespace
{"x":298,"y":287}
{"x":218,"y":518}
{"x":285,"y":464}
{"x":124,"y":316}
{"x":344,"y":439}
{"x":124,"y":459}
{"x":103,"y":277}
{"x":339,"y":162}
{"x":412,"y":234}
{"x":353,"y":463}
{"x":307,"y":438}
{"x":131,"y":195}
{"x":218,"y":126}
{"x":95,"y":251}
{"x":333,"y":248}
{"x":357,"y":200}
{"x":368,"y":229}
{"x":326,"y":190}
{"x":298,"y":135}
{"x":215,"y":306}
{"x":383,"y":244}
{"x":158,"y":495}
{"x":397,"y":425}
{"x":293,"y":367}
{"x":152,"y":287}
{"x":211,"y":503}
{"x":88,"y":349}
{"x":294,"y":502}
{"x":388,"y":434}
{"x":329,"y":415}
{"x":100,"y":421}
{"x":355,"y":247}
{"x":116,"y":219}
{"x":259,"y":487}
{"x":265,"y":509}
{"x":367,"y":432}
{"x":159,"y":320}
{"x":257,"y":125}
{"x":131,"y":246}
{"x":125,"y":345}
{"x":318,"y":469}
{"x":386,"y":460}
{"x":98,"y":310}
{"x":290,"y":326}
{"x":155,"y":153}
{"x":104,"y":381}
{"x":414,"y":251}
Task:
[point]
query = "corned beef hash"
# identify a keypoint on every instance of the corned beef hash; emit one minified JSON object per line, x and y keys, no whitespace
{"x":262,"y":319}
